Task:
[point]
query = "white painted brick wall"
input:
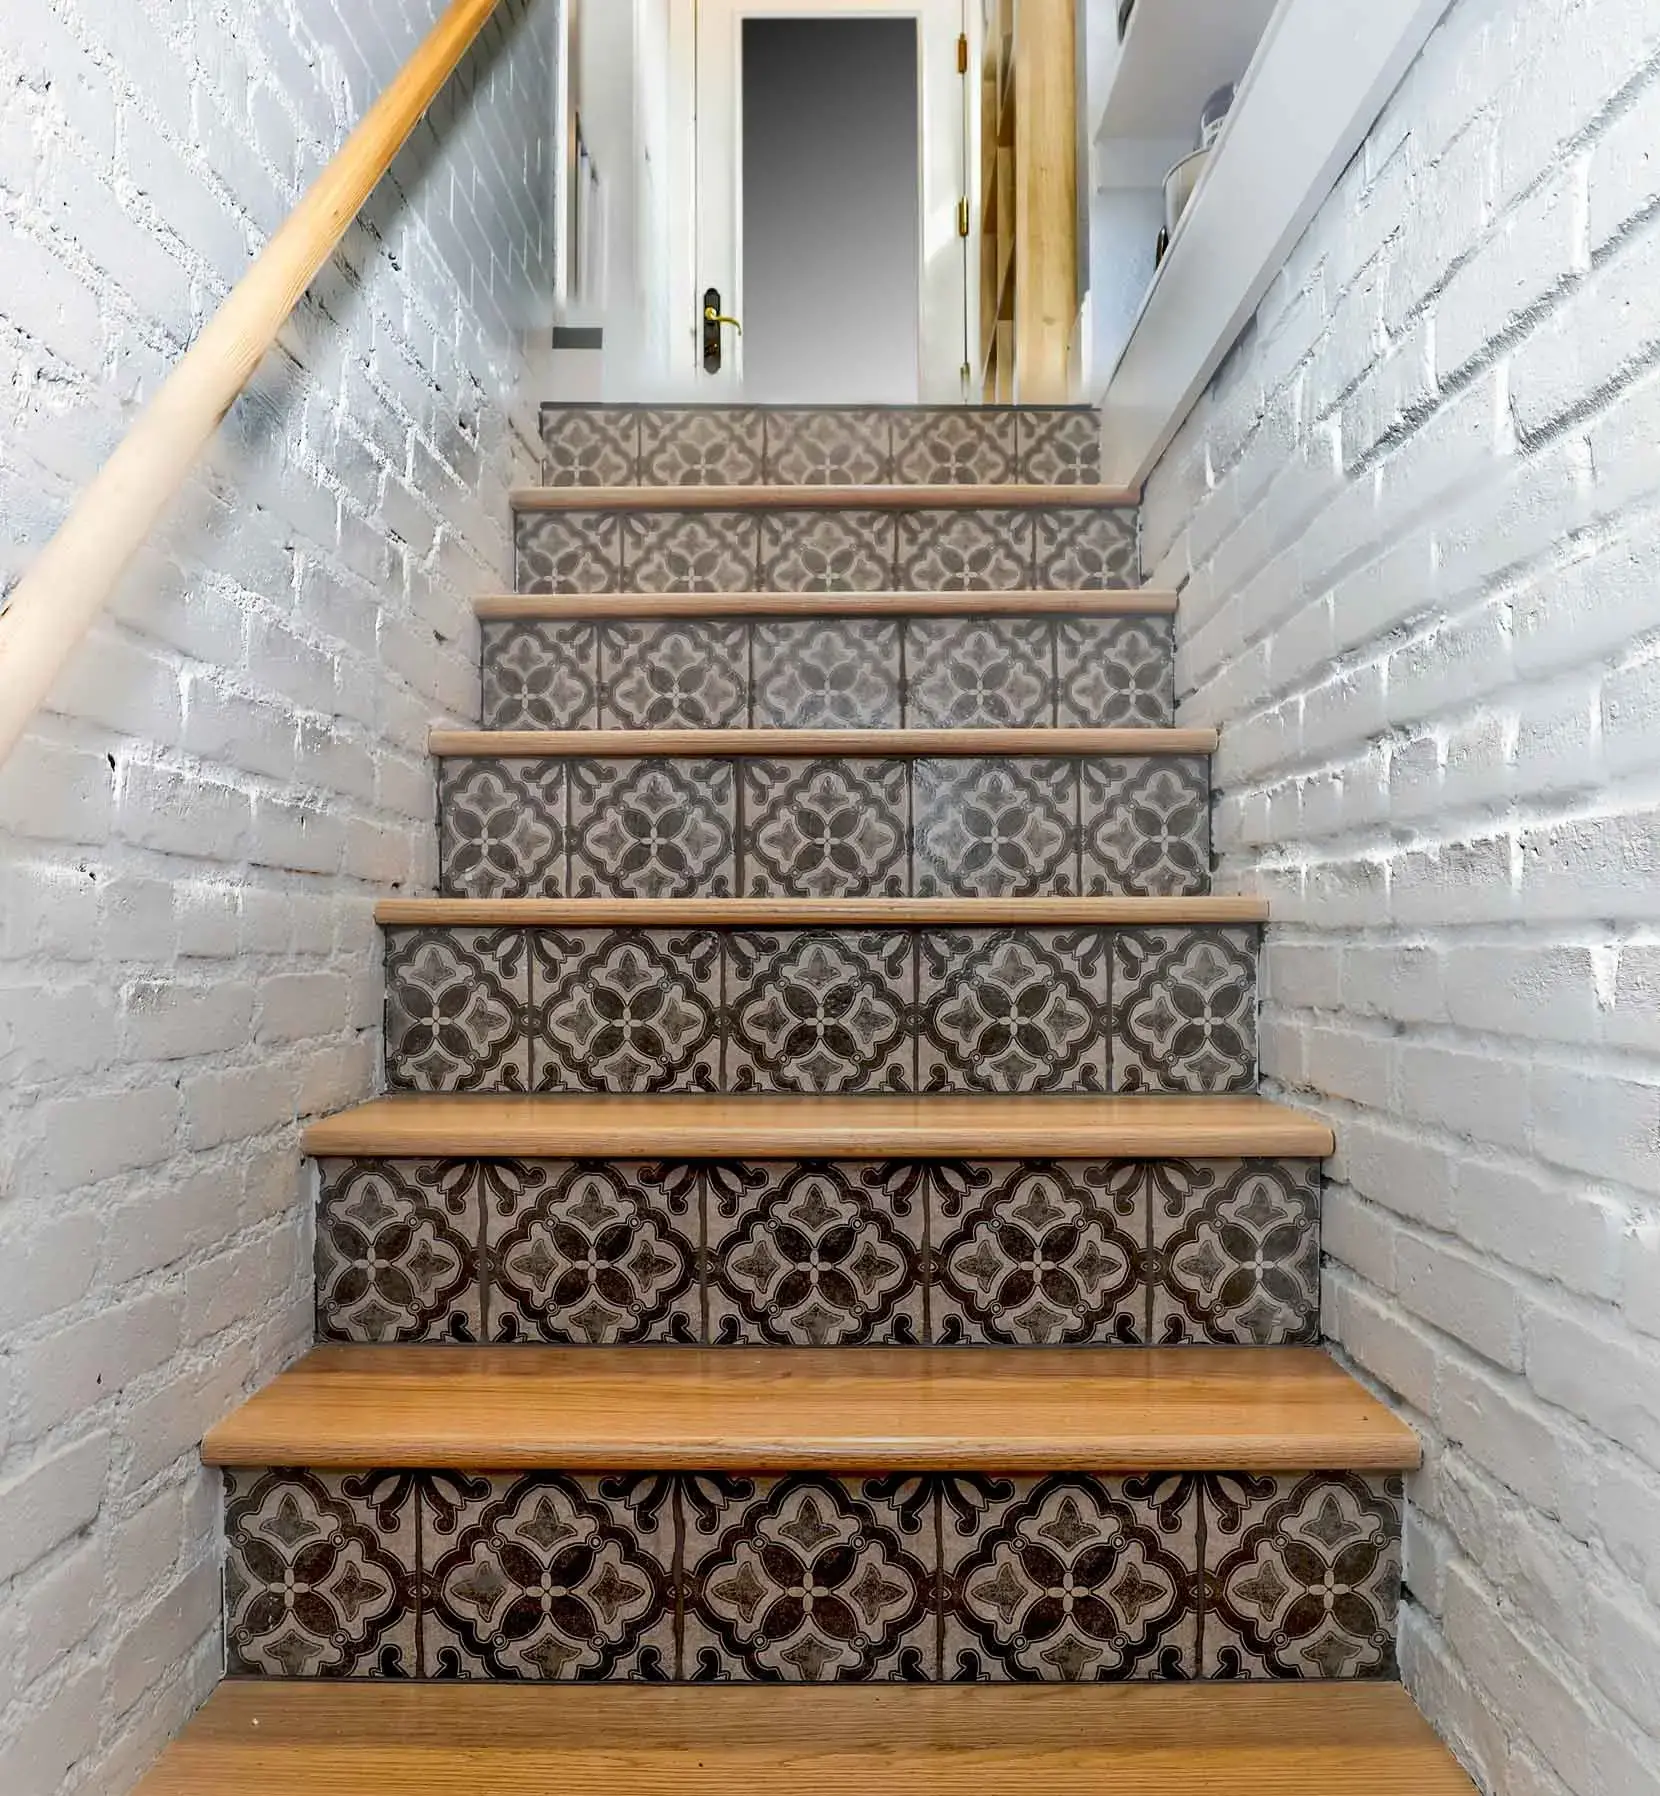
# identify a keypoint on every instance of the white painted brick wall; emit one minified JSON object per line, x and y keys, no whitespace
{"x":1416,"y":524}
{"x":233,"y":769}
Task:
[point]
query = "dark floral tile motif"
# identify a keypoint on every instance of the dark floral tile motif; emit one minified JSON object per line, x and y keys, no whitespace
{"x":598,"y":1255}
{"x":691,"y":551}
{"x":395,"y":1261}
{"x":457,"y":1010}
{"x":569,"y":551}
{"x":539,"y":675}
{"x":827,"y":674}
{"x":827,"y":551}
{"x":1039,"y":1256}
{"x":1082,"y":550}
{"x":590,"y":445}
{"x":1234,"y":1252}
{"x":501,"y":827}
{"x":653,"y":829}
{"x":1305,"y":1581}
{"x":1116,"y":673}
{"x":826,"y":829}
{"x":954,"y":447}
{"x":1071,"y":1580}
{"x":995,"y":828}
{"x":1060,"y":447}
{"x":623,"y":1010}
{"x":964,"y":551}
{"x":1016,"y":1011}
{"x":541,"y":1578}
{"x":673,"y":675}
{"x":819,"y":1011}
{"x":815,"y":1255}
{"x":979,"y":673}
{"x":1146,"y":828}
{"x":705,"y":446}
{"x":1185,"y":1010}
{"x":829,"y":448}
{"x":807,"y":1580}
{"x":317,"y":1585}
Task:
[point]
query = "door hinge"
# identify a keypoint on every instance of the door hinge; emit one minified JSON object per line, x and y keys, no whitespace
{"x":962,"y":218}
{"x":962,"y":54}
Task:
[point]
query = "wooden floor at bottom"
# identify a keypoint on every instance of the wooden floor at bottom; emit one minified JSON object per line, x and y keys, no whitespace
{"x":264,"y":1739}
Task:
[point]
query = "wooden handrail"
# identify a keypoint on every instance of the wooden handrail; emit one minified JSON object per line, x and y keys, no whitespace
{"x":72,"y":578}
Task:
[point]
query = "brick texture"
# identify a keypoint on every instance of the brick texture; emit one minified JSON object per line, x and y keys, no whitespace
{"x":233,"y":768}
{"x":1415,"y":524}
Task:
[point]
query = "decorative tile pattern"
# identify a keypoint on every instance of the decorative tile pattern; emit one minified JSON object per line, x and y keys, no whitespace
{"x":501,"y":828}
{"x":1116,"y":673}
{"x":1059,"y":448}
{"x":457,"y":1006}
{"x":979,"y":673}
{"x":807,"y":1580}
{"x":1071,"y":1579}
{"x":958,"y":446}
{"x":820,"y":1011}
{"x":599,"y":1255}
{"x":653,"y":829}
{"x":965,"y":551}
{"x":539,"y":675}
{"x":1014,"y":1010}
{"x":627,"y":1010}
{"x":826,"y":551}
{"x":1086,"y":550}
{"x":672,"y":675}
{"x":1234,"y":1252}
{"x":827,"y":674}
{"x":569,"y":551}
{"x":826,"y":829}
{"x":397,"y":1258}
{"x":1146,"y":828}
{"x":1038,"y":1255}
{"x":995,"y":829}
{"x":1185,"y":1010}
{"x":817,"y":1255}
{"x":690,"y":551}
{"x":703,"y":446}
{"x":829,"y":448}
{"x":590,"y":445}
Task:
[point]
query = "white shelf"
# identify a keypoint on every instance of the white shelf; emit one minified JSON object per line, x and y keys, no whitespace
{"x":1174,"y":56}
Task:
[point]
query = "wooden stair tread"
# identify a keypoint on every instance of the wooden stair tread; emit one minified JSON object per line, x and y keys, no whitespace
{"x":841,"y":1409}
{"x":803,"y":913}
{"x":788,"y":1128}
{"x":269,"y":1738}
{"x":565,"y":607}
{"x":822,"y":498}
{"x":849,"y":744}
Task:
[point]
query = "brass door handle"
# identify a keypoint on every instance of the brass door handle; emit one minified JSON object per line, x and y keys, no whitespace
{"x":712,"y":316}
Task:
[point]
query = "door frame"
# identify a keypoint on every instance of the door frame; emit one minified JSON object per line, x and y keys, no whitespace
{"x":706,"y":246}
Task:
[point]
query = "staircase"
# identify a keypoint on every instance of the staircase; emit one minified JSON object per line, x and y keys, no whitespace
{"x":821,"y":1230}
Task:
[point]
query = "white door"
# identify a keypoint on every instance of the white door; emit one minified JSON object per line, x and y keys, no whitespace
{"x":710,"y":253}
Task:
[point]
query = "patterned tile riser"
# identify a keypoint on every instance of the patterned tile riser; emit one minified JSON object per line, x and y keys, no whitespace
{"x":810,"y":1578}
{"x":825,"y":828}
{"x":827,"y":1011}
{"x":830,"y":673}
{"x":820,"y":1253}
{"x":970,"y":549}
{"x":869,"y":446}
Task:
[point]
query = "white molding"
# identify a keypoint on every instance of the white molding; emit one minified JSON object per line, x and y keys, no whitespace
{"x":1325,"y":70}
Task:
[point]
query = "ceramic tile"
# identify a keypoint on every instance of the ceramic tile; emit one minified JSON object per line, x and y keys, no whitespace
{"x":502,"y":828}
{"x":653,"y":829}
{"x":813,"y":1255}
{"x":827,"y":551}
{"x":457,"y":1010}
{"x":704,"y":446}
{"x":979,"y":673}
{"x":691,"y":551}
{"x":569,"y":551}
{"x":540,"y":675}
{"x":1116,"y":673}
{"x":1086,"y":550}
{"x":827,"y":674}
{"x":590,"y":445}
{"x":1060,"y":447}
{"x":1146,"y":827}
{"x":601,"y":1254}
{"x":1185,"y":1010}
{"x":964,"y":551}
{"x":826,"y":829}
{"x":674,"y":675}
{"x":1013,"y":1011}
{"x":955,"y":446}
{"x":995,"y":828}
{"x":397,"y":1255}
{"x":829,"y":448}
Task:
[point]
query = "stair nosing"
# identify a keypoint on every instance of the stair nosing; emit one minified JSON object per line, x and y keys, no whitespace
{"x":802,"y":913}
{"x":1015,"y":496}
{"x":1126,"y":601}
{"x":747,"y":744}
